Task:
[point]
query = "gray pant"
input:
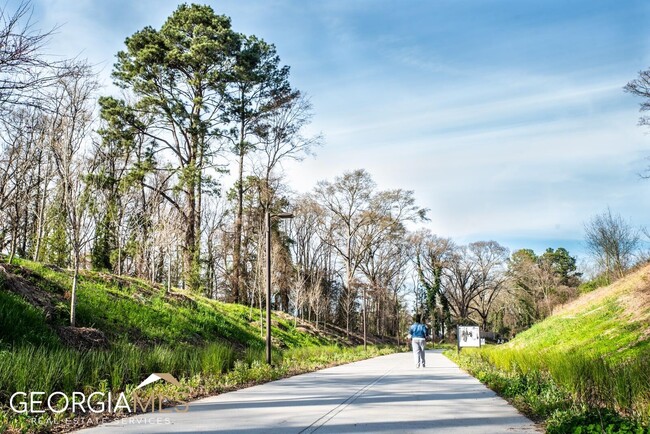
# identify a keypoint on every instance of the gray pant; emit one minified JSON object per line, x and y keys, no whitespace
{"x":418,"y":351}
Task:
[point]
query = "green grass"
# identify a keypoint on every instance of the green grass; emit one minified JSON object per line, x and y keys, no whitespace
{"x":210,"y":370}
{"x":600,"y":329}
{"x":208,"y":345}
{"x":126,"y":307}
{"x":21,"y":322}
{"x":67,"y":370}
{"x":577,"y":408}
{"x":585,"y":368}
{"x":591,"y":285}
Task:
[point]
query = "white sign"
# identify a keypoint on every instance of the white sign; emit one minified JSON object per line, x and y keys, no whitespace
{"x":469,"y":336}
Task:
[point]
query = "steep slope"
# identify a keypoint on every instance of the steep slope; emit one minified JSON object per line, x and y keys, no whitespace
{"x":611,"y":322}
{"x":35,"y":306}
{"x":585,"y":369}
{"x":128,"y":329}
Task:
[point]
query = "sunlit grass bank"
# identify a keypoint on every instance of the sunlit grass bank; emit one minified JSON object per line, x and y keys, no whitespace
{"x":211,"y":371}
{"x":209,"y":346}
{"x":567,"y":391}
{"x":584,"y":369}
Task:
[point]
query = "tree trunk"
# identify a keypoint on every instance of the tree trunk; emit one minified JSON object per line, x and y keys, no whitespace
{"x":236,"y":285}
{"x":188,"y":255}
{"x":119,"y":256}
{"x":190,"y":262}
{"x":378,"y":325}
{"x":23,"y":246}
{"x":169,"y":270}
{"x":73,"y":296}
{"x":12,"y":251}
{"x":152,"y":266}
{"x":120,"y":219}
{"x":41,"y":222}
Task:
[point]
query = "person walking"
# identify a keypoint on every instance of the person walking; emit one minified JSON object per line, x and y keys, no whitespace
{"x":418,"y":335}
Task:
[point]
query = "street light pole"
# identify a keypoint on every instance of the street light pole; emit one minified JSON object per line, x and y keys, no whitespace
{"x":284,"y":215}
{"x":365,"y":337}
{"x":268,"y":287}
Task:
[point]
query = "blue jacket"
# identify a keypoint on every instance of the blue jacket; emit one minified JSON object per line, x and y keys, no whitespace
{"x":418,"y":330}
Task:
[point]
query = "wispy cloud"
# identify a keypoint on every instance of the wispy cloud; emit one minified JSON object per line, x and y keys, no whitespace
{"x":507,"y":118}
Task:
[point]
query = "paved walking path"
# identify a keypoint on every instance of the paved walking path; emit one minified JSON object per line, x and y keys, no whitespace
{"x":384,"y":394}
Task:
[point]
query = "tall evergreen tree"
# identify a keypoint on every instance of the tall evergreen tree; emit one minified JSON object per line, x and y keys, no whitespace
{"x":178,"y":75}
{"x":259,"y":86}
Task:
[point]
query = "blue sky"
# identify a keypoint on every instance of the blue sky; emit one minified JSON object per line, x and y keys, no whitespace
{"x":507,"y":118}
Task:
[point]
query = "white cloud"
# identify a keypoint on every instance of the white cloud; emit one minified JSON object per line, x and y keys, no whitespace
{"x":507,"y":139}
{"x":534,"y":163}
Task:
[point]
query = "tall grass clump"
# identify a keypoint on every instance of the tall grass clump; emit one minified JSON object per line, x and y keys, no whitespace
{"x":566,"y":389}
{"x":208,"y":370}
{"x":31,"y":368}
{"x":21,"y":322}
{"x":209,"y":346}
{"x":591,"y":380}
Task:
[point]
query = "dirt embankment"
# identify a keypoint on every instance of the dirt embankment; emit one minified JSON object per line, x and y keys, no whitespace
{"x":76,"y":337}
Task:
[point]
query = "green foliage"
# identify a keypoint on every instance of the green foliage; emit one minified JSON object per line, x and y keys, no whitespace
{"x":103,"y":244}
{"x":180,"y":76}
{"x":193,"y":40}
{"x":523,"y":255}
{"x":585,"y":369}
{"x":594,"y":422}
{"x":56,"y":247}
{"x":540,"y":284}
{"x":121,"y":124}
{"x":598,"y":282}
{"x":21,"y":323}
{"x":432,"y":290}
{"x":563,"y":264}
{"x":209,"y":345}
{"x":578,"y":396}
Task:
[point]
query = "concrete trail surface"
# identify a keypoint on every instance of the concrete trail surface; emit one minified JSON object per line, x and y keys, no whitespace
{"x":385,"y":394}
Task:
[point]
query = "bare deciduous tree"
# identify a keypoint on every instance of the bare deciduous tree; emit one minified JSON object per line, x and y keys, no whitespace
{"x":70,"y":124}
{"x":460,"y":284}
{"x":612,"y":241}
{"x":19,"y":153}
{"x":346,"y":202}
{"x":490,"y":258}
{"x":641,"y":87}
{"x":430,"y":257}
{"x":24,"y":72}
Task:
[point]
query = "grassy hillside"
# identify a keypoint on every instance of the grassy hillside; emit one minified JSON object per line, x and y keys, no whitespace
{"x":128,"y":328}
{"x":611,"y":322}
{"x":586,"y":368}
{"x":35,"y":306}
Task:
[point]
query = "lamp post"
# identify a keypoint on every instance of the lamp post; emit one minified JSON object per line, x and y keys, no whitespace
{"x":269,"y":216}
